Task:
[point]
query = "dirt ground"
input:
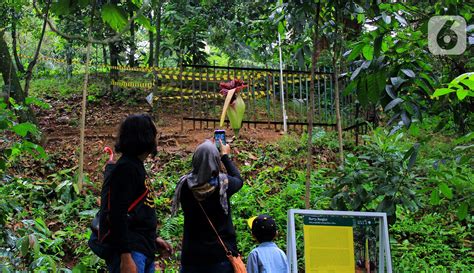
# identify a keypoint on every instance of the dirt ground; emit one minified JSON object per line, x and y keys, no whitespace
{"x":60,"y":126}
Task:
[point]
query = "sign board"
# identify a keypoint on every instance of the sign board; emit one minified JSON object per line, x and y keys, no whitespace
{"x":339,"y":241}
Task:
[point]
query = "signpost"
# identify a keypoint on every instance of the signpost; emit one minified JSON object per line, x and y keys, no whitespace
{"x":340,"y":241}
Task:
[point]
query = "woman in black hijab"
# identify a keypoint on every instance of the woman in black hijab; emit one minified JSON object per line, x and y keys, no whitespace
{"x":209,"y":186}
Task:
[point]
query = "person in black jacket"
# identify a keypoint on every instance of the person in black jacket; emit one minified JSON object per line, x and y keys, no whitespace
{"x":207,"y":184}
{"x":133,"y":234}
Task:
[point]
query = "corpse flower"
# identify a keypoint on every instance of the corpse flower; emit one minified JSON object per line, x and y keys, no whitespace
{"x":235,"y":113}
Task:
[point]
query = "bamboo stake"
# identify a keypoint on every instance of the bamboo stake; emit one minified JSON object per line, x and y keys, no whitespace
{"x":314,"y":60}
{"x":80,"y":179}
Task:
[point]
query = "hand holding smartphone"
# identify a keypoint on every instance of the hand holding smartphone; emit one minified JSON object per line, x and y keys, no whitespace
{"x":219,"y":135}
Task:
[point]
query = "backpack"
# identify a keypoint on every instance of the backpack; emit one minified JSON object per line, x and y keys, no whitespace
{"x":100,"y":225}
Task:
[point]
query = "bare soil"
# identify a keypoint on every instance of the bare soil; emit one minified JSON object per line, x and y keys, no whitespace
{"x":60,"y":126}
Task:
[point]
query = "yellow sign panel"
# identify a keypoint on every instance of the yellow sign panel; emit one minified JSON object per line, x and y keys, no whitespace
{"x":329,"y":249}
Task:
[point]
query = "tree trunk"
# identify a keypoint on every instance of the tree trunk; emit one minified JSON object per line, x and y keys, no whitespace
{"x":18,"y":63}
{"x":335,"y":61}
{"x":69,"y":60}
{"x":31,"y":65}
{"x":104,"y":54}
{"x":12,"y":83}
{"x":114,"y":55}
{"x":151,"y":46}
{"x":338,"y":111}
{"x":133,"y":49}
{"x":314,"y":61}
{"x":158,"y":34}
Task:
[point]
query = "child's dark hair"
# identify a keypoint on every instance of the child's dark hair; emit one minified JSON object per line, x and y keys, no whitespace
{"x":137,"y":136}
{"x":264,"y":228}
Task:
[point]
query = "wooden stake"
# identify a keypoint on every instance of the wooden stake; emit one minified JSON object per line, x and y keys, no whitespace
{"x":80,"y":180}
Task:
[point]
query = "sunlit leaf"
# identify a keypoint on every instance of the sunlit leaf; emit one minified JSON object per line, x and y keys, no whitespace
{"x":114,"y":16}
{"x":22,"y":129}
{"x":462,"y":94}
{"x":145,"y":22}
{"x":368,"y":52}
{"x":446,"y":190}
{"x":37,"y":102}
{"x":442,"y":91}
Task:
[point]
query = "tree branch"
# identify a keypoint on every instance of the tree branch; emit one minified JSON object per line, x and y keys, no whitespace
{"x":31,"y":65}
{"x":116,"y":38}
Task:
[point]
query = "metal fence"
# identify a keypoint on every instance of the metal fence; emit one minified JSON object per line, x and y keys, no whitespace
{"x":193,"y":93}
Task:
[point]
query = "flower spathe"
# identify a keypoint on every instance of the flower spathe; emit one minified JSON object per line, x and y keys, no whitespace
{"x":231,"y":91}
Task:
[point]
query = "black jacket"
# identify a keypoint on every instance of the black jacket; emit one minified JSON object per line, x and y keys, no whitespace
{"x":134,"y":231}
{"x":200,"y":243}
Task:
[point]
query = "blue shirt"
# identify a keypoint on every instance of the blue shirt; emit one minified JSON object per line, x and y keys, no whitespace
{"x":267,"y":258}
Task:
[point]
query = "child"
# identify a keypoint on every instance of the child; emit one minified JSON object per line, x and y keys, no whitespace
{"x":267,"y":257}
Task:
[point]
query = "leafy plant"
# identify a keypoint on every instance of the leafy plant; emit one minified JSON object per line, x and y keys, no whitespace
{"x":15,"y":135}
{"x":450,"y":180}
{"x":462,"y":85}
{"x":379,"y":179}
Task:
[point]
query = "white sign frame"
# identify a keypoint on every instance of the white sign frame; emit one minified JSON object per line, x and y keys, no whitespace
{"x":385,"y":260}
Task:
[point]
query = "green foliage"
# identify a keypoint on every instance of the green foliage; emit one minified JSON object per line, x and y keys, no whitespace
{"x":42,"y":240}
{"x":114,"y":15}
{"x":380,"y":178}
{"x":432,"y":243}
{"x":462,"y":85}
{"x":449,"y":180}
{"x":15,"y":135}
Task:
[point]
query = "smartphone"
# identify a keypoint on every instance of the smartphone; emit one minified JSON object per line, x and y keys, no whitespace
{"x":219,"y":135}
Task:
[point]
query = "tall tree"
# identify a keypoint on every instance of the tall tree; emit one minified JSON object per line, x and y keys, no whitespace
{"x":31,"y":65}
{"x":157,"y":48}
{"x":131,"y":42}
{"x":336,"y":53}
{"x":314,"y":63}
{"x":18,"y":63}
{"x":151,"y":42}
{"x":12,"y":87}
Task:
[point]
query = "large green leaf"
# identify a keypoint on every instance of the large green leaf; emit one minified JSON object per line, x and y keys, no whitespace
{"x":442,"y":91}
{"x":446,"y":190}
{"x":145,"y":22}
{"x":462,"y":211}
{"x":434,"y":198}
{"x":375,"y":85}
{"x":355,"y":51}
{"x":22,"y":129}
{"x":368,"y":52}
{"x":462,"y":94}
{"x":61,"y":7}
{"x":114,"y":16}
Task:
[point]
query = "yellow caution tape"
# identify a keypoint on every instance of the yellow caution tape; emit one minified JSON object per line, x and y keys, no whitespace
{"x":175,"y":73}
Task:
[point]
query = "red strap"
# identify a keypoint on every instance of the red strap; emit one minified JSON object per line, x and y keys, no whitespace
{"x":135,"y":203}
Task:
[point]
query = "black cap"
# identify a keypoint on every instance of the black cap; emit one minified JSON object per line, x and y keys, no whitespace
{"x":264,"y":228}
